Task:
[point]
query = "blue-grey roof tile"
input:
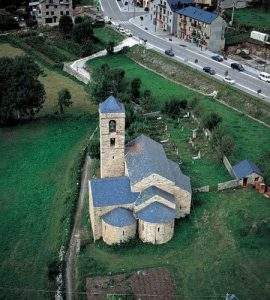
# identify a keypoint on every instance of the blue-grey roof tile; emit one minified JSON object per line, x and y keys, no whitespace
{"x":151,"y":192}
{"x":181,"y":180}
{"x":111,"y":105}
{"x":144,"y":157}
{"x":119,"y":217}
{"x":156,"y":213}
{"x":112,"y":191}
{"x":245,"y":168}
{"x":198,"y":14}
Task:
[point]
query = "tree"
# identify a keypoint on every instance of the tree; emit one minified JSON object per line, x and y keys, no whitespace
{"x":64,"y":99}
{"x":21,"y":93}
{"x":211,"y":121}
{"x":135,"y":88}
{"x":222,"y":142}
{"x":82,"y":32}
{"x":147,"y":101}
{"x":65,"y":25}
{"x":94,"y":149}
{"x":106,"y":81}
{"x":110,"y":47}
{"x":78,"y":19}
{"x":174,"y":107}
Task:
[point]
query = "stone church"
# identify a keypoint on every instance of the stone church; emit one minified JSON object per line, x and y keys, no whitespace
{"x":140,"y":190}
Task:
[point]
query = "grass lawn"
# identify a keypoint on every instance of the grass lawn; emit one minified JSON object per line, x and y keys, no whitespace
{"x":107,"y":34}
{"x":9,"y":51}
{"x":213,"y":252}
{"x":255,"y":18}
{"x":251,"y":138}
{"x":40,"y":161}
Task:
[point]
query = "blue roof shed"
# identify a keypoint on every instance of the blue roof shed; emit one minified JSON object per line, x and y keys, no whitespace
{"x":245,"y":168}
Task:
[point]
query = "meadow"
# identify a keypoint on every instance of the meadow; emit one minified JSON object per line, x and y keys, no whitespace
{"x":39,"y":170}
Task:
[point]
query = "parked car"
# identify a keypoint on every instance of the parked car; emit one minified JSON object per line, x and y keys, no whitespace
{"x":169,"y":52}
{"x":264,"y":76}
{"x":121,"y":30}
{"x":229,"y":80}
{"x":238,"y":67}
{"x":128,"y":32}
{"x":209,"y":70}
{"x":217,"y":58}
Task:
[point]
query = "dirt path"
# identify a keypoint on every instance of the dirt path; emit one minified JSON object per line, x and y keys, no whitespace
{"x":74,"y":243}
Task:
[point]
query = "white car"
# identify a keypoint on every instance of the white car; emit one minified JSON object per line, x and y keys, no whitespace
{"x":121,"y":30}
{"x":229,"y":80}
{"x":264,"y":76}
{"x":128,"y":32}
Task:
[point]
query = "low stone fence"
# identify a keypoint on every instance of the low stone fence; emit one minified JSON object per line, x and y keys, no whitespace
{"x":228,"y":165}
{"x":229,"y":184}
{"x":203,"y":189}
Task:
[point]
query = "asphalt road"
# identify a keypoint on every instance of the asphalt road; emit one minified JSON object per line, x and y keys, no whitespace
{"x":246,"y":81}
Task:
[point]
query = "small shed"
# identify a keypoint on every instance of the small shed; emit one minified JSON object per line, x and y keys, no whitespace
{"x":247,"y":172}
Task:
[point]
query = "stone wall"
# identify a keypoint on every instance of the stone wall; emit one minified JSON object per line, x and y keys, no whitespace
{"x":229,"y":184}
{"x":228,"y":165}
{"x":116,"y":235}
{"x":112,"y":162}
{"x":155,"y":233}
{"x":202,"y":189}
{"x":183,"y":198}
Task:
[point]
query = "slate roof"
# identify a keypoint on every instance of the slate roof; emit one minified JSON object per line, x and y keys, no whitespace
{"x":144,"y":157}
{"x":151,"y":192}
{"x":198,"y":14}
{"x":119,"y":217}
{"x":111,"y":191}
{"x":156,"y":213}
{"x":181,"y":180}
{"x":174,"y":4}
{"x":245,"y":168}
{"x":111,"y":105}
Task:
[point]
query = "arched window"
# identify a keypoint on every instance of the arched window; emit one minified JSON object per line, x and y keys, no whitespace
{"x":112,"y":126}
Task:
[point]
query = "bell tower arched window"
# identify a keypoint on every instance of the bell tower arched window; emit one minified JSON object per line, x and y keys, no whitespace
{"x":112,"y":126}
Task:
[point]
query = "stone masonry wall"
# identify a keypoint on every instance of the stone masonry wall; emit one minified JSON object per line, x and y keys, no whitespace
{"x":115,"y":235}
{"x":183,"y":198}
{"x":155,"y":233}
{"x":112,"y":156}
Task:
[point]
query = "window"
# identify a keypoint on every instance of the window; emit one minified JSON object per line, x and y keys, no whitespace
{"x":67,"y":13}
{"x":47,"y":6}
{"x":112,"y":142}
{"x":61,"y":13}
{"x":158,"y":229}
{"x":55,"y":6}
{"x":52,"y":13}
{"x":47,"y":13}
{"x":123,"y":233}
{"x":112,"y":126}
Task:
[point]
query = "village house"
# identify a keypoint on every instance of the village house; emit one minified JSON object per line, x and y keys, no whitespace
{"x":247,"y":172}
{"x":49,"y":12}
{"x":140,"y":190}
{"x":163,"y":13}
{"x":205,"y":29}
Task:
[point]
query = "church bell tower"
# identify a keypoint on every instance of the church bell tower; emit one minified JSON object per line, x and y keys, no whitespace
{"x":112,"y":138}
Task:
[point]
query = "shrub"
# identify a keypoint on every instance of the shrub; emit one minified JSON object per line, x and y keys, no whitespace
{"x":94,"y":149}
{"x":65,"y":24}
{"x":110,"y":48}
{"x":222,"y":142}
{"x":174,"y":108}
{"x":211,"y":121}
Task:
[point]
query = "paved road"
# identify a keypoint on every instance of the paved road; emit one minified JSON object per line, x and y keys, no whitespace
{"x":246,"y":81}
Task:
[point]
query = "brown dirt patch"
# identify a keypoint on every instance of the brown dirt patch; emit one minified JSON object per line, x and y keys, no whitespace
{"x":155,"y":283}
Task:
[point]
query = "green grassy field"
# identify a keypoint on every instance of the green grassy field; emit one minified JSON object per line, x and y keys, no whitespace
{"x":255,"y":18}
{"x":39,"y":165}
{"x":213,"y":252}
{"x":252,"y":139}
